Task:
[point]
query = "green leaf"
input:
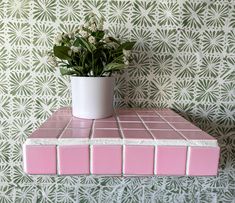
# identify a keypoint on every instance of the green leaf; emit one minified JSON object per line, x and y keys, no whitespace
{"x":61,"y":52}
{"x":78,"y":68}
{"x":65,"y":71}
{"x":84,"y":43}
{"x":127,"y":45}
{"x":111,"y":67}
{"x":114,"y":40}
{"x":99,"y":34}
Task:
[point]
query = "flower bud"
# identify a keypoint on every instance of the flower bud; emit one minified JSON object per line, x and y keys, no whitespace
{"x":93,"y":27}
{"x":70,"y":52}
{"x":92,"y":40}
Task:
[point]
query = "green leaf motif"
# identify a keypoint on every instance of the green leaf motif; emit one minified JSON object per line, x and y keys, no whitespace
{"x":162,"y":65}
{"x":138,"y":89}
{"x":123,"y":7}
{"x":207,"y":91}
{"x":165,"y":41}
{"x":217,"y":15}
{"x":168,"y":13}
{"x":213,"y":41}
{"x":185,"y":66}
{"x":189,"y":41}
{"x":184,"y":90}
{"x":144,"y":13}
{"x":193,"y":14}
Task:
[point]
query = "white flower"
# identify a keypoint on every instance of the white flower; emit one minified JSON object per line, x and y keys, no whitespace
{"x":126,"y":53}
{"x":92,"y":20}
{"x":75,"y":49}
{"x":126,"y":62}
{"x":71,"y":35}
{"x":91,"y":39}
{"x":83,"y":33}
{"x":93,"y":27}
{"x":70,"y":52}
{"x":52,"y":60}
{"x":107,"y":39}
{"x":86,"y":25}
{"x":58,"y":40}
{"x":100,"y":26}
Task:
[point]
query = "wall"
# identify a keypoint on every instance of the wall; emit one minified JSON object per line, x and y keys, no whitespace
{"x":184,"y":59}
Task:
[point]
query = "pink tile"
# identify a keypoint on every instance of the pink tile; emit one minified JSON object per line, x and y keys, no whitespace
{"x":125,"y":112}
{"x":54,"y":118}
{"x":106,"y":125}
{"x":139,"y":110}
{"x":137,"y":134}
{"x":99,"y":133}
{"x":109,"y":119}
{"x":175,"y":119}
{"x":129,"y":118}
{"x":46,"y":133}
{"x":197,"y":135}
{"x":107,"y":160}
{"x":166,"y":134}
{"x":81,"y":119}
{"x":40,"y":159}
{"x":147,"y":113}
{"x":158,"y":126}
{"x":126,"y":125}
{"x":139,"y":160}
{"x":185,"y":126}
{"x":167,"y":113}
{"x":171,"y":160}
{"x":74,"y":159}
{"x":80,"y":124}
{"x":152,"y":119}
{"x":203,"y":161}
{"x":54,"y":124}
{"x":76,"y":133}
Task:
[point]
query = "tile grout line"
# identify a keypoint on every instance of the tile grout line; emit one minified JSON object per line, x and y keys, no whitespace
{"x":187,"y":147}
{"x":172,"y":126}
{"x":155,"y":144}
{"x":122,"y":145}
{"x":187,"y":160}
{"x":57,"y":147}
{"x":91,"y":135}
{"x":65,"y":127}
{"x":155,"y":161}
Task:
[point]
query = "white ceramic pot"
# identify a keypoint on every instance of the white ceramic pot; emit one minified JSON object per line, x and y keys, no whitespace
{"x":92,"y":97}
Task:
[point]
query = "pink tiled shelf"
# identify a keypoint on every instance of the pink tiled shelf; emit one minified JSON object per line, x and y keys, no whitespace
{"x":134,"y":142}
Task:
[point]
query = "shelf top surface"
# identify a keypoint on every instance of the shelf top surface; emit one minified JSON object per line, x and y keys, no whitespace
{"x":126,"y":126}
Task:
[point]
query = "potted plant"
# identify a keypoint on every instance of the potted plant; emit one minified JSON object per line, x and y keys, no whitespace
{"x":90,"y":57}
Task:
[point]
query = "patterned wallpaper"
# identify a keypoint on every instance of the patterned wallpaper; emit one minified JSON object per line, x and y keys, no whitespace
{"x":184,"y":59}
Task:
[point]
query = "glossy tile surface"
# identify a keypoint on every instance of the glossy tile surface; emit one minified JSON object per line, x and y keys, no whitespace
{"x":106,"y":159}
{"x":40,"y":159}
{"x":203,"y":161}
{"x":74,"y":160}
{"x":131,"y":142}
{"x":139,"y":160}
{"x":171,"y":160}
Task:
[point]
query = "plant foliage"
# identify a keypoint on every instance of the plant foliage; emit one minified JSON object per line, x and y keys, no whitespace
{"x":89,"y":51}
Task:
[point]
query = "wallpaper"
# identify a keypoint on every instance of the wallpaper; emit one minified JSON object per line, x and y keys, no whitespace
{"x":184,"y":59}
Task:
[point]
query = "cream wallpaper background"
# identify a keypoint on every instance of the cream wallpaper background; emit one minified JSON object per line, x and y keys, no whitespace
{"x":184,"y":59}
